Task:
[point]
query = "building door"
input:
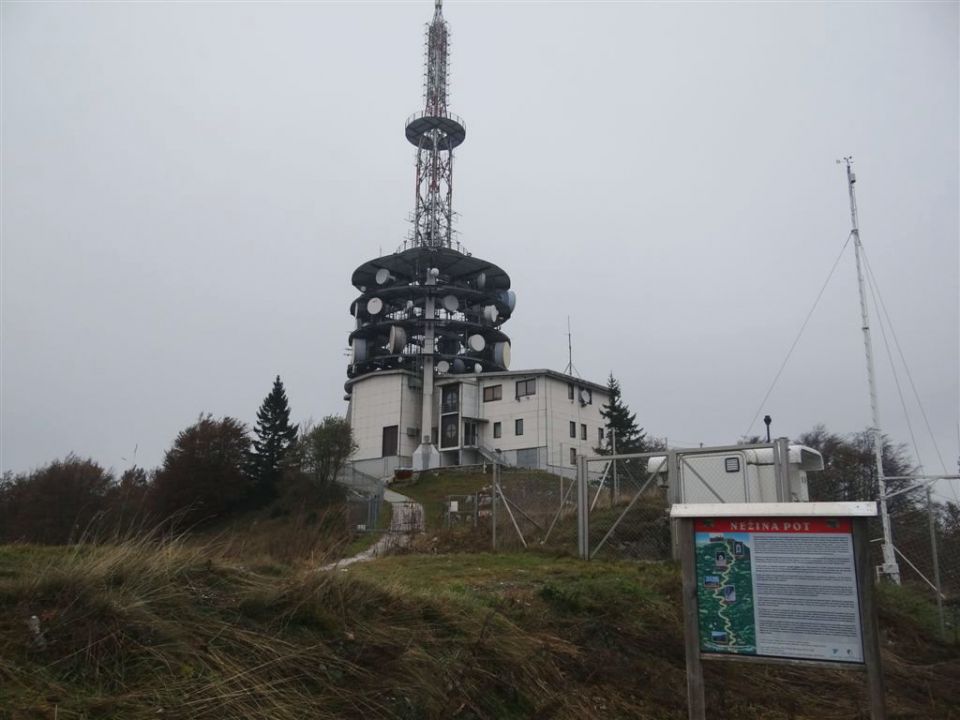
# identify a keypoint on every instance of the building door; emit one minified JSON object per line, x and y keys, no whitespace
{"x":390,"y":441}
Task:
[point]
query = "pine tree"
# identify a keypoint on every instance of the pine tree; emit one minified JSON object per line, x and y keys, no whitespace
{"x":274,"y":436}
{"x":619,"y":420}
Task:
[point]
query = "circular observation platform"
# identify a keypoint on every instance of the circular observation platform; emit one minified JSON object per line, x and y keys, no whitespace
{"x":452,"y":129}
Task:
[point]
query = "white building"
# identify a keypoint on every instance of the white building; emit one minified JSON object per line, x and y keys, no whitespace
{"x":527,"y":418}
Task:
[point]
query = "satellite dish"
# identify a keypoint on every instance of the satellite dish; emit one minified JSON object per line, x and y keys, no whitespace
{"x":584,"y":396}
{"x":383,"y":276}
{"x":449,"y":345}
{"x":450,"y":303}
{"x":359,"y":350}
{"x":477,"y":368}
{"x":458,"y":366}
{"x":443,"y":367}
{"x":398,"y":339}
{"x":476,"y":343}
{"x":490,"y":314}
{"x":374,"y":306}
{"x":481,"y":280}
{"x":501,"y":354}
{"x":508,"y":298}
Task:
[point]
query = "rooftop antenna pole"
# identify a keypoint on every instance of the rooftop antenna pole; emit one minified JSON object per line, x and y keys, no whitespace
{"x":890,"y":567}
{"x":569,"y":370}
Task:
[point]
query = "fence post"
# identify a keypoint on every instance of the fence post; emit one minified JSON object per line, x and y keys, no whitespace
{"x":583,"y":509}
{"x":936,"y":561}
{"x":615,"y":486}
{"x":673,"y":497}
{"x":493,"y":504}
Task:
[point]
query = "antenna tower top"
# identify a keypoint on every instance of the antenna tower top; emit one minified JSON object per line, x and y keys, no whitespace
{"x":435,"y":132}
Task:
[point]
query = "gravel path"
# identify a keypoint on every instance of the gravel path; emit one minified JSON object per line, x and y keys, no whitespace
{"x":405,"y":522}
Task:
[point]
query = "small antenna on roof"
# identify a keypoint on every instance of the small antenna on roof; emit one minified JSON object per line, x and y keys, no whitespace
{"x":570,"y":369}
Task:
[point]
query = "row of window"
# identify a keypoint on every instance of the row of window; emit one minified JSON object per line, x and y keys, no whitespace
{"x":529,"y":387}
{"x":523,"y":389}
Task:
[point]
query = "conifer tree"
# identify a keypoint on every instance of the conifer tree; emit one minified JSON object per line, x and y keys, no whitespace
{"x":618,"y":419}
{"x":274,"y":436}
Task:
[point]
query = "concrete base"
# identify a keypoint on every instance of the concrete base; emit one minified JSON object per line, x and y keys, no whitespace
{"x":426,"y":457}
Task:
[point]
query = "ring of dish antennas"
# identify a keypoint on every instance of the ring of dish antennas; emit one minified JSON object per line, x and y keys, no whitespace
{"x":471,"y":299}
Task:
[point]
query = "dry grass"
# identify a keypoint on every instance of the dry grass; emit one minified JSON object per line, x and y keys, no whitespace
{"x":175,"y":629}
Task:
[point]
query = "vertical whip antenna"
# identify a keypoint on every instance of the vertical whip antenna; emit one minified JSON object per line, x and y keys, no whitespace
{"x":435,"y":132}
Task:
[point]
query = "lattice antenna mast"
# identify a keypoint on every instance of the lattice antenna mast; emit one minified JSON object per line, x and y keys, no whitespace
{"x":435,"y":132}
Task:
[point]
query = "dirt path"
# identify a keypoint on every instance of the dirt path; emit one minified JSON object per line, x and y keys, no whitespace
{"x":405,"y":522}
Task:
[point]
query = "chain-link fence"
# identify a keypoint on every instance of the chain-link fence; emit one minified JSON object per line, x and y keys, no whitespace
{"x":625,"y":499}
{"x":925,"y":536}
{"x":364,"y":499}
{"x":522,"y":504}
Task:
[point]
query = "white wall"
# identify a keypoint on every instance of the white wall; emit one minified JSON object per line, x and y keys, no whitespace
{"x":379,"y":401}
{"x":546,"y":419}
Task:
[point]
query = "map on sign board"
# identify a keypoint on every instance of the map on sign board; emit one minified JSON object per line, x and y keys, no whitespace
{"x":778,"y":587}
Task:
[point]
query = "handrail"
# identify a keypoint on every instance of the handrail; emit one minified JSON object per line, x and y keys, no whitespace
{"x":449,"y":115}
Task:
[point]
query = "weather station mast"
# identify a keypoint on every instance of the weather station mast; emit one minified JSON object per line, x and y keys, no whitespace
{"x":429,"y":310}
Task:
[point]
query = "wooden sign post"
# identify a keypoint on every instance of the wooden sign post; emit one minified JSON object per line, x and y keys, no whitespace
{"x":783,"y":583}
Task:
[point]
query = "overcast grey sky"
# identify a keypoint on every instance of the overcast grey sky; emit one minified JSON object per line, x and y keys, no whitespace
{"x":187,"y":188}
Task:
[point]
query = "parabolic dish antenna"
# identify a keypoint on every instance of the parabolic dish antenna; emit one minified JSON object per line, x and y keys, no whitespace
{"x":383,"y":276}
{"x":374,"y":306}
{"x":476,"y":343}
{"x":490,"y":314}
{"x":481,"y":281}
{"x":501,"y":354}
{"x":477,"y":368}
{"x":359,"y":350}
{"x":443,"y":367}
{"x":398,"y":339}
{"x":450,"y":303}
{"x":458,"y":366}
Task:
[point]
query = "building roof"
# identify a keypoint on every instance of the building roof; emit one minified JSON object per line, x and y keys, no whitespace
{"x":562,"y":377}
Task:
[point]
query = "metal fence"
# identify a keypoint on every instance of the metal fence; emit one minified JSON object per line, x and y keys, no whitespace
{"x":364,"y":499}
{"x":618,"y":505}
{"x":926,"y":541}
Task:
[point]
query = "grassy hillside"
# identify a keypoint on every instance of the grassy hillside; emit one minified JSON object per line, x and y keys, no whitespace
{"x":175,"y":630}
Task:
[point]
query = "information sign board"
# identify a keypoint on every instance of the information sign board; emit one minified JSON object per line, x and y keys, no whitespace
{"x":778,"y":587}
{"x":786,"y":583}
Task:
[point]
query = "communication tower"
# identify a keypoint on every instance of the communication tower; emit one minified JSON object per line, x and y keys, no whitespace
{"x":431,"y":309}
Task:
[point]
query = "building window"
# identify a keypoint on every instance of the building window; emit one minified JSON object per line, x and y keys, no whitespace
{"x":526,"y":387}
{"x":494,"y":392}
{"x":600,"y":434}
{"x":573,"y":456}
{"x":451,"y":397}
{"x":573,"y":429}
{"x":518,"y":426}
{"x":497,"y":428}
{"x":569,"y":391}
{"x":449,"y":431}
{"x":583,"y":432}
